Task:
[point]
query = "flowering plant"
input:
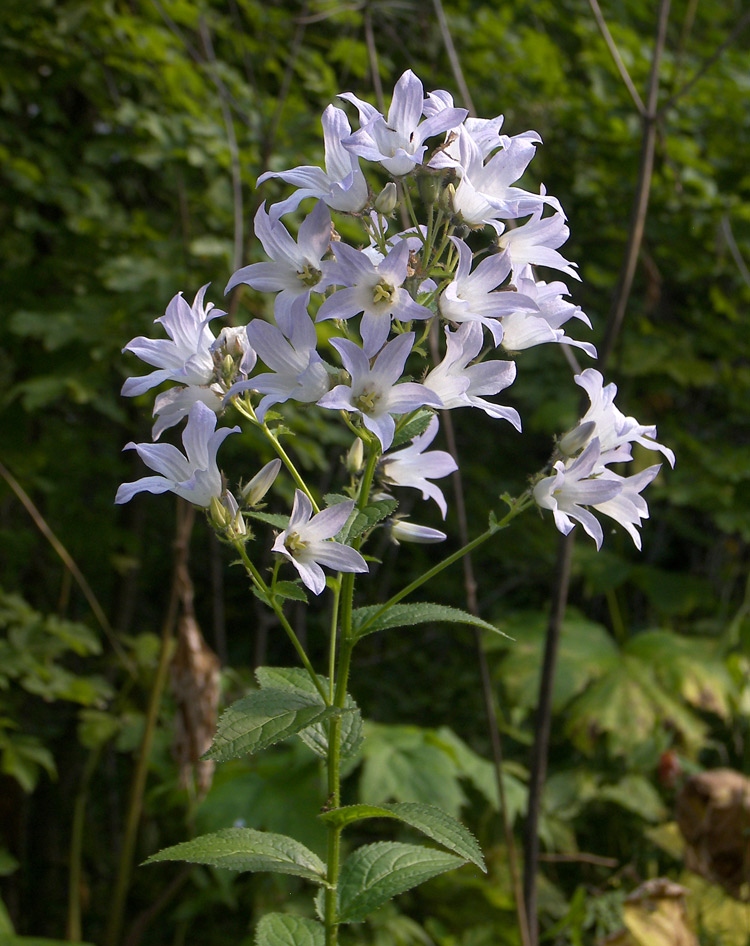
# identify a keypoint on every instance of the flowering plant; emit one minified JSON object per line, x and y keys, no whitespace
{"x":460,"y":279}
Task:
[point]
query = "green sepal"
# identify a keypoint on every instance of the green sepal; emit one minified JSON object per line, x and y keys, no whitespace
{"x":407,"y":615}
{"x":430,"y":820}
{"x":283,"y":929}
{"x":245,"y":849}
{"x":376,"y":872}
{"x":315,"y":736}
{"x":264,"y":717}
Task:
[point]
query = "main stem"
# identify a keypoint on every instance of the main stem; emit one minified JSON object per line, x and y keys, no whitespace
{"x":346,"y":603}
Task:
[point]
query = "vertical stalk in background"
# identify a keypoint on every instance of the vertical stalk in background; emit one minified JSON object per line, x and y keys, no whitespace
{"x":620,"y":301}
{"x":184,"y":528}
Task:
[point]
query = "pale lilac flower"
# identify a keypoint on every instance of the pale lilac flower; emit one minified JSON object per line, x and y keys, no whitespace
{"x":628,"y":507}
{"x":414,"y":467}
{"x":172,"y":405}
{"x":575,"y":486}
{"x":375,"y":289}
{"x":306,"y":542}
{"x":398,"y":141}
{"x":523,"y":330}
{"x":186,"y":356}
{"x":614,"y":431}
{"x":193,"y":475}
{"x":535,"y":243}
{"x":459,"y":384}
{"x":297,"y":370}
{"x":342,"y":185}
{"x":403,"y":531}
{"x":233,"y":341}
{"x":485,"y":192}
{"x":484,"y":132}
{"x":297,"y":269}
{"x":470,"y":296}
{"x":373,"y":392}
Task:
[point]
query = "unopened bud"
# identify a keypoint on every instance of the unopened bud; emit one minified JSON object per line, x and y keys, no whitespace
{"x":236,"y":524}
{"x":402,"y":531}
{"x":218,"y":514}
{"x":385,"y":202}
{"x":256,"y":489}
{"x":429,"y":187}
{"x":447,"y":200}
{"x":228,"y":368}
{"x":355,"y":456}
{"x":576,"y":439}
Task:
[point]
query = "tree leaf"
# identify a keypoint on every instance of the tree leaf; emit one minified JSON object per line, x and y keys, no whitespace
{"x":376,"y":872}
{"x":430,"y":820}
{"x":407,"y":615}
{"x":246,"y":849}
{"x":283,"y":929}
{"x":262,"y":718}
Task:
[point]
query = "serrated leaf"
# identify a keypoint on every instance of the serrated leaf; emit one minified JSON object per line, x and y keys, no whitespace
{"x":316,"y":736}
{"x":290,"y":589}
{"x":363,"y":519}
{"x":430,"y":820}
{"x":283,"y":929}
{"x":365,"y":621}
{"x":275,"y":519}
{"x":416,"y":426}
{"x":262,"y":718}
{"x":246,"y":849}
{"x":334,"y":499}
{"x":376,"y":872}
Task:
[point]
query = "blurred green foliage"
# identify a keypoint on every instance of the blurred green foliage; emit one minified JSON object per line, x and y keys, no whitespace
{"x":122,"y":185}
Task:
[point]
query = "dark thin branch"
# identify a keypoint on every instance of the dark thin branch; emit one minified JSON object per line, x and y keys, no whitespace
{"x":234,"y":151}
{"x":565,"y":547}
{"x":741,"y":24}
{"x":726,"y":229}
{"x":458,"y":73}
{"x":621,"y":68}
{"x":641,"y":197}
{"x":372,"y":55}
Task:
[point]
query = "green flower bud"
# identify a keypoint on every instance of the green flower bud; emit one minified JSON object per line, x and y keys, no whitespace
{"x":429,"y":187}
{"x":385,"y":202}
{"x":355,"y":457}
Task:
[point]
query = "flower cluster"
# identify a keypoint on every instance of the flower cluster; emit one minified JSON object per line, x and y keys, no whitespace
{"x":469,"y":265}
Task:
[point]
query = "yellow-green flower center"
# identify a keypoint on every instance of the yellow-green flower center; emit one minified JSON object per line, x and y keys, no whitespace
{"x":384,"y":293}
{"x":366,"y":402}
{"x":309,"y":275}
{"x":294,"y":544}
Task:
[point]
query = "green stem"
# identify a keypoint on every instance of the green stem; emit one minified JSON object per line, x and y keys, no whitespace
{"x":346,"y":598}
{"x":73,"y":926}
{"x":519,"y":505}
{"x":247,"y":410}
{"x":279,"y":612}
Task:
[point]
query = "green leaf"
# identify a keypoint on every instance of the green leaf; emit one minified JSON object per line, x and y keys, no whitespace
{"x":289,"y":589}
{"x":428,"y":819}
{"x":407,"y":615}
{"x":636,"y":794}
{"x":262,"y":718}
{"x":283,"y":929}
{"x":416,"y":426}
{"x":363,"y":519}
{"x":246,"y":849}
{"x":275,"y":519}
{"x":316,"y":736}
{"x":376,"y":872}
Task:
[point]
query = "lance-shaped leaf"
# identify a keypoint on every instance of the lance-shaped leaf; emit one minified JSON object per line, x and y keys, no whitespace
{"x":363,"y":519}
{"x":262,"y":718}
{"x":367,"y":620}
{"x":247,"y":849}
{"x":430,"y":820}
{"x":376,"y":872}
{"x":283,"y":929}
{"x":316,"y":736}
